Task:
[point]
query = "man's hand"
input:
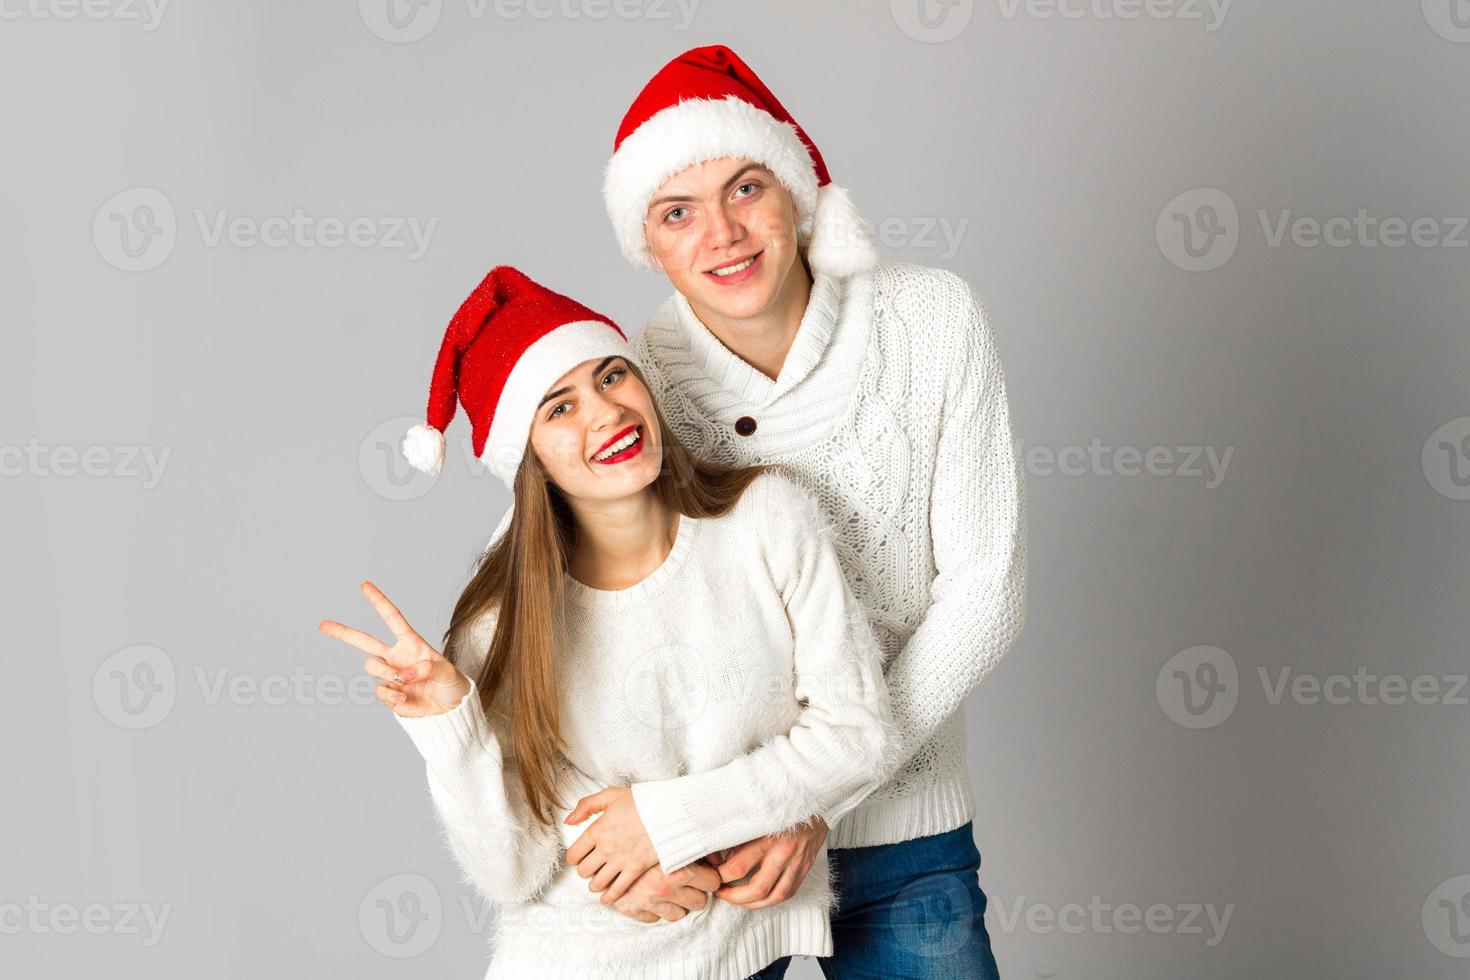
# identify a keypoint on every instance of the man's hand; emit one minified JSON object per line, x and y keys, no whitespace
{"x":656,"y":895}
{"x":614,"y":850}
{"x":780,"y":863}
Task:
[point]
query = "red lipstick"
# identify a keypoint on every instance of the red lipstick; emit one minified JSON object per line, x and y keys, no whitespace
{"x":624,"y":454}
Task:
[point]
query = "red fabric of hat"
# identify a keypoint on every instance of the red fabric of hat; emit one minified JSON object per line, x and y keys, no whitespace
{"x":508,"y":342}
{"x":708,"y":104}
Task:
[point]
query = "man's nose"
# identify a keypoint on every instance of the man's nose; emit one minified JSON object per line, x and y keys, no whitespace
{"x":724,"y":227}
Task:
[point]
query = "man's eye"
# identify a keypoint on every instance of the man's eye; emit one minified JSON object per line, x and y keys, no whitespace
{"x":751,"y":186}
{"x":675,"y":214}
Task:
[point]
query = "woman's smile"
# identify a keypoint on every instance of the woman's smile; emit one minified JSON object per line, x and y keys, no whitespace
{"x":621,"y":447}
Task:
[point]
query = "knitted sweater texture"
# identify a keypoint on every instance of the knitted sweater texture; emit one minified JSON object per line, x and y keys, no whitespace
{"x":737,"y":689}
{"x":891,"y":410}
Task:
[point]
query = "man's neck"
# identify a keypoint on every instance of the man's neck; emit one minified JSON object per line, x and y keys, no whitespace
{"x":764,"y":340}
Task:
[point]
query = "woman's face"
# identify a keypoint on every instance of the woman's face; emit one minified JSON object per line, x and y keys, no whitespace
{"x":708,"y":221}
{"x":595,"y":433}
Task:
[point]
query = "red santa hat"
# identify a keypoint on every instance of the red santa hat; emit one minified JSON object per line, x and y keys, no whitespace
{"x":707,"y":104}
{"x":509,"y":342}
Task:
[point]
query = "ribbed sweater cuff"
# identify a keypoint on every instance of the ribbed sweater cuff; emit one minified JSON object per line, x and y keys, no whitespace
{"x":453,"y":742}
{"x":691,"y":816}
{"x":833,"y":816}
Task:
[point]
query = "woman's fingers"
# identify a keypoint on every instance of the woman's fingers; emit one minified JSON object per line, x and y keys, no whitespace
{"x":380,"y":669}
{"x":366,"y":642}
{"x":400,"y":666}
{"x":388,"y":611}
{"x":582,"y":846}
{"x":619,"y":887}
{"x":616,"y":886}
{"x":702,"y":877}
{"x":390,"y":697}
{"x":691,"y":898}
{"x":589,"y":805}
{"x":589,"y":866}
{"x":603,"y":878}
{"x":741,"y":861}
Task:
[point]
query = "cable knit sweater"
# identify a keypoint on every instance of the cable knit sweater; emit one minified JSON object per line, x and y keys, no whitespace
{"x":738,"y":689}
{"x":891,"y":408}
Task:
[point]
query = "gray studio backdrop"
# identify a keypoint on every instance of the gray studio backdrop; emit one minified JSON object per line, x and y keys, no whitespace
{"x":1225,"y":249}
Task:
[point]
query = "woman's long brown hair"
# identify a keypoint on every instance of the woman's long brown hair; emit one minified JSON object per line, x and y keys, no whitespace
{"x":521,"y":575}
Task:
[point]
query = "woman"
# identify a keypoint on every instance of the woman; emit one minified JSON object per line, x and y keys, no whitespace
{"x":673,"y":636}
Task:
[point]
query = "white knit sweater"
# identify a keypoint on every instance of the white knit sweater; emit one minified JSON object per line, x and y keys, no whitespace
{"x":891,"y":408}
{"x":738,"y":689}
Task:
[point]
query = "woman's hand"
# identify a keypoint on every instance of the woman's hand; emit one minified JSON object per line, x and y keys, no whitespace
{"x":656,"y":895}
{"x":614,"y":850}
{"x":417,"y":679}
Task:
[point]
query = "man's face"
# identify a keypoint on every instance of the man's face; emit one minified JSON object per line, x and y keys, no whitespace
{"x":724,"y":232}
{"x":596,"y":433}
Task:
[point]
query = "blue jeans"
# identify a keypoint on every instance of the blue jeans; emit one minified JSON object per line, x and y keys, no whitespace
{"x":909,"y":910}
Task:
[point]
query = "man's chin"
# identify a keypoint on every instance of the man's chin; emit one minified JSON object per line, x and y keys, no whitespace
{"x":738,"y":303}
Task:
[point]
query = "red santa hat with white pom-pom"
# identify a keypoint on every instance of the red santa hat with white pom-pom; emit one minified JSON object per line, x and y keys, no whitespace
{"x":509,"y":342}
{"x":707,"y":104}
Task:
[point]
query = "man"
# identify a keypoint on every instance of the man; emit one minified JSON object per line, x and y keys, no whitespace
{"x":878,"y":386}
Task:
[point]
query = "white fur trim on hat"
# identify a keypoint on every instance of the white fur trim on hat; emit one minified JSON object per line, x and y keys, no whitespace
{"x":537,"y":369}
{"x":839,"y":244}
{"x":423,"y":447}
{"x":691,"y":132}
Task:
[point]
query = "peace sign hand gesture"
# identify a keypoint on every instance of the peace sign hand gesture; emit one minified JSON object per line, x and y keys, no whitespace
{"x":417,"y":679}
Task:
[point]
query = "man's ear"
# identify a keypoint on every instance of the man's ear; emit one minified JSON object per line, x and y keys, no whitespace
{"x":649,"y":249}
{"x":795,"y":215}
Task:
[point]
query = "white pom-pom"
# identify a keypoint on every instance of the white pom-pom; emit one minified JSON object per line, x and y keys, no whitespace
{"x":839,"y":244}
{"x":423,"y":447}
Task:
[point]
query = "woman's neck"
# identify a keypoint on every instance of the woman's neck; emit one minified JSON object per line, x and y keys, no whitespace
{"x":621,"y":542}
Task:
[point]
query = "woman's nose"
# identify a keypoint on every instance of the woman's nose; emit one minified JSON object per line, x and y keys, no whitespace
{"x":606,"y":412}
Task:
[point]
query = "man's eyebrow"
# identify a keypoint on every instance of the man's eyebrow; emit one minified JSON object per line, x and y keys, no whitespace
{"x":562,"y":391}
{"x":673,"y":198}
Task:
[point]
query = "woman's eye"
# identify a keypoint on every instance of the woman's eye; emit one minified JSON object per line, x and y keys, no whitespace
{"x":612,"y":377}
{"x":556,"y":411}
